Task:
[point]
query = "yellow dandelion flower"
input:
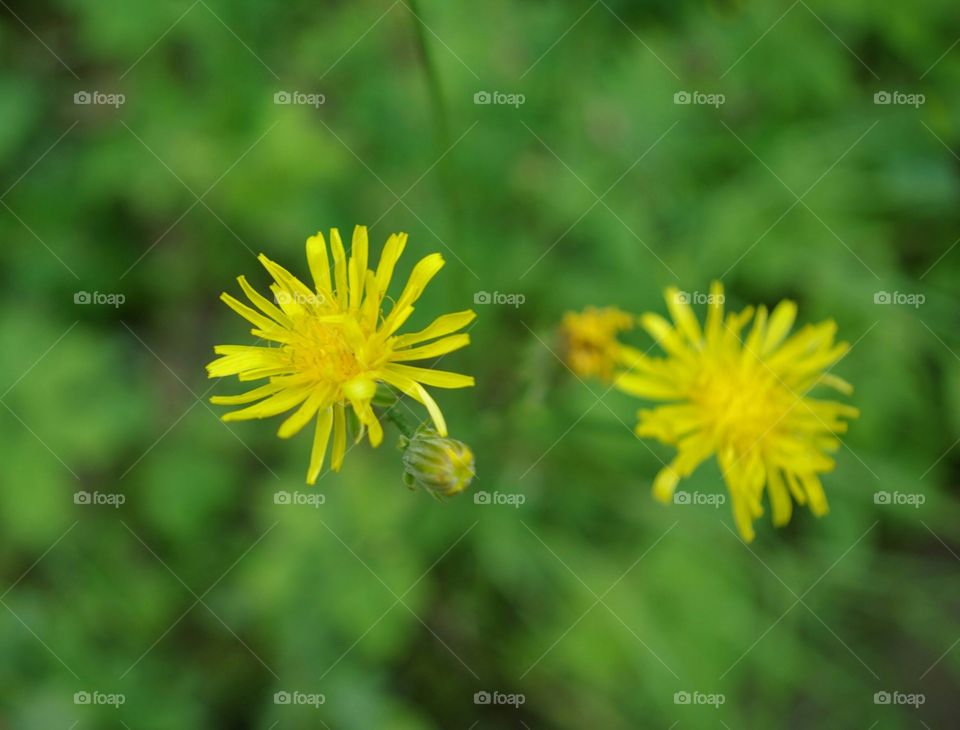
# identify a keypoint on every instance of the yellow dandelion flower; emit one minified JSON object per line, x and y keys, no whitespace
{"x":590,"y":343}
{"x":332,"y":344}
{"x":744,"y":401}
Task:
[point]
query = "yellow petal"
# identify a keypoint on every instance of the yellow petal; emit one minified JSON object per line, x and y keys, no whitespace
{"x":754,"y":342}
{"x":780,"y":502}
{"x":339,"y":437}
{"x":672,"y":423}
{"x":714,"y":324}
{"x":262,"y":303}
{"x":665,"y":484}
{"x":287,"y":282}
{"x":239,"y":359}
{"x":743,"y":519}
{"x":255,"y":318}
{"x":375,"y":433}
{"x":434,"y":349}
{"x":646,"y":387}
{"x":339,"y":270}
{"x":272,"y":406}
{"x":368,"y":419}
{"x":799,"y":495}
{"x":814,"y":490}
{"x":421,"y":275}
{"x":692,"y":450}
{"x":665,"y":335}
{"x":730,"y":339}
{"x":320,"y":439}
{"x":319,"y":263}
{"x":416,"y":391}
{"x":370,"y":308}
{"x":249,"y":397}
{"x":295,"y":423}
{"x":359,"y":253}
{"x":291,"y":303}
{"x":781,"y":322}
{"x":398,"y":315}
{"x":817,"y":362}
{"x":436,"y":378}
{"x":388,"y":260}
{"x":443,"y":325}
{"x":807,"y":340}
{"x":683,"y":315}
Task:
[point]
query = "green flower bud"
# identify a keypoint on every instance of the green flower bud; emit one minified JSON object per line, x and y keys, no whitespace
{"x":441,"y":466}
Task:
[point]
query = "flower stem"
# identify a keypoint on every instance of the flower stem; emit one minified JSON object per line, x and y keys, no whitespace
{"x":433,"y":78}
{"x":441,"y":120}
{"x":400,"y":420}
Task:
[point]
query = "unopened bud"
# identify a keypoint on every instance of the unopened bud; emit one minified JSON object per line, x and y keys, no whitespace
{"x":441,"y":466}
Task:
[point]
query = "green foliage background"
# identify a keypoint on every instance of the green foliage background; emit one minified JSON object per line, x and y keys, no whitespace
{"x":199,"y":597}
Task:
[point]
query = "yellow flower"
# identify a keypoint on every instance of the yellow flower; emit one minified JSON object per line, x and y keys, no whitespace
{"x":744,"y":401}
{"x":590,"y":341}
{"x":332,"y":344}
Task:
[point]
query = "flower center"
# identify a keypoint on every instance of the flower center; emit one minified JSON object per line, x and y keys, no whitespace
{"x":742,"y":405}
{"x":322,"y":351}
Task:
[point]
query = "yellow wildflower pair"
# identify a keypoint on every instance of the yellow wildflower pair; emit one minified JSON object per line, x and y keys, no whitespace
{"x":742,"y":398}
{"x":329,"y":345}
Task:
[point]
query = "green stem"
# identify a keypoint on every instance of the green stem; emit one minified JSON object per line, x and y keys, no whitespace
{"x":442,"y":123}
{"x":437,"y":102}
{"x":400,"y":420}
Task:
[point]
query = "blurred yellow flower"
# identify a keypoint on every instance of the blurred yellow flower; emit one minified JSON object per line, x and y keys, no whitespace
{"x":744,"y":401}
{"x":333,"y":344}
{"x":590,"y":345}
